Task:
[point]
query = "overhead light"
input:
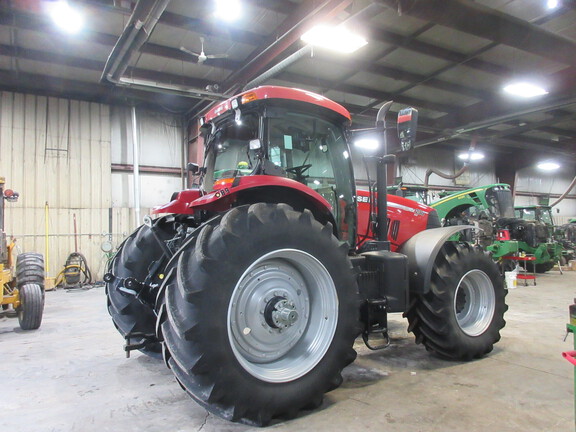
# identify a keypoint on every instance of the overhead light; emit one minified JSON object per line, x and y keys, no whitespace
{"x":552,"y":4}
{"x":525,"y":89}
{"x":548,"y":166}
{"x":471,"y":156}
{"x":334,"y":38}
{"x":228,"y":10}
{"x":367,"y":144}
{"x":66,"y":18}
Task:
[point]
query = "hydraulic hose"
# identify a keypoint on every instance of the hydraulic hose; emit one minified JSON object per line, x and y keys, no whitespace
{"x":570,"y":187}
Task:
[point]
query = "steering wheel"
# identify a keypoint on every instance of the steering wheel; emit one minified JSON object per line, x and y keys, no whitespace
{"x":299,"y":170}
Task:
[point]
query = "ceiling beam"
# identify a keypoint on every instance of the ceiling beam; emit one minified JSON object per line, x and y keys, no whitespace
{"x":82,"y":90}
{"x":401,"y":75}
{"x":95,"y":65}
{"x":562,"y":85}
{"x":204,"y":26}
{"x":514,"y":144}
{"x":38,"y":24}
{"x":287,"y":33}
{"x":479,"y":20}
{"x":366,"y":92}
{"x":388,"y":37}
{"x":558,"y":131}
{"x":531,"y":126}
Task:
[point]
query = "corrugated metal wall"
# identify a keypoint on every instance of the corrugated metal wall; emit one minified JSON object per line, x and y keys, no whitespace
{"x":59,"y":152}
{"x":161,"y":145}
{"x":542,"y":183}
{"x":56,"y":153}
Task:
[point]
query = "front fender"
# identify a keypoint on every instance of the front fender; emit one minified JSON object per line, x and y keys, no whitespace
{"x":422,"y":250}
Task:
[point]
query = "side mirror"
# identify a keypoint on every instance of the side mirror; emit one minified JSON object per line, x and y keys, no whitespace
{"x":193,"y":168}
{"x":407,"y":125}
{"x":255,"y":144}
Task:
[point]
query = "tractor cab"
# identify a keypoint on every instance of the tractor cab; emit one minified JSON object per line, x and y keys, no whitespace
{"x":535,"y":213}
{"x":282,"y":137}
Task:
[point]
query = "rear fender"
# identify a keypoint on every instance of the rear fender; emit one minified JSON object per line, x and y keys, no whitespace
{"x":422,"y":250}
{"x":249,"y":190}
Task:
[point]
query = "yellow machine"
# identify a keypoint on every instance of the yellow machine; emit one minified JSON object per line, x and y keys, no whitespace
{"x":23,"y":290}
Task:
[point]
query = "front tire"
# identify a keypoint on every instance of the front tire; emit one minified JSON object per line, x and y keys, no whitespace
{"x":461,"y":316}
{"x":31,"y":306}
{"x":262,"y":315}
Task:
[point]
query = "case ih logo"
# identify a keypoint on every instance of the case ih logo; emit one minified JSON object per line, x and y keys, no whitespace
{"x":222,"y":192}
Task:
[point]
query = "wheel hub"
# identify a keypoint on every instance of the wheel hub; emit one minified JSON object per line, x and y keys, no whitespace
{"x":280,"y":313}
{"x":474,"y":302}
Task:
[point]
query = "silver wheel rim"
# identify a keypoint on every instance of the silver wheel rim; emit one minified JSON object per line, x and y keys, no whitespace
{"x":474,"y":302}
{"x":303,"y":292}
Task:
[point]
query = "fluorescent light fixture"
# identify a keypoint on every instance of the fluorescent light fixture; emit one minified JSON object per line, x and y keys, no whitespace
{"x":548,"y":166}
{"x":552,"y":4}
{"x":228,"y":10}
{"x":66,"y":18}
{"x":525,"y":89}
{"x":337,"y":38}
{"x":367,"y":143}
{"x":474,"y":156}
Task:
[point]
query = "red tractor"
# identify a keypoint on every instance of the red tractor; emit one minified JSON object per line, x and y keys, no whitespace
{"x":257,"y":282}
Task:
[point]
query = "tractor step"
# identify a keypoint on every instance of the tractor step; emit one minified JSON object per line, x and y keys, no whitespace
{"x":375,"y":323}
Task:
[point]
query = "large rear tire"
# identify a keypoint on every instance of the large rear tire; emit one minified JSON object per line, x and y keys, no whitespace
{"x":30,"y":269}
{"x":262,"y":315}
{"x":461,"y":316}
{"x":142,"y":258}
{"x":31,"y":306}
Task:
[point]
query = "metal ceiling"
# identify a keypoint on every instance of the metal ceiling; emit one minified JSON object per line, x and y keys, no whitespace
{"x":448,"y":58}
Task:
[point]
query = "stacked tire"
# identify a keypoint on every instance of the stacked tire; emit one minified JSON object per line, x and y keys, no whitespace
{"x":30,"y":284}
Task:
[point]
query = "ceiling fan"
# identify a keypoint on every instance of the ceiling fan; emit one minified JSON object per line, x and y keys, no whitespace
{"x":202,"y":57}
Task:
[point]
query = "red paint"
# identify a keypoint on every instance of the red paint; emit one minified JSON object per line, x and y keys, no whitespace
{"x":404,"y":118}
{"x":221,"y":199}
{"x":179,"y":205}
{"x":413,"y":217}
{"x":275,"y":92}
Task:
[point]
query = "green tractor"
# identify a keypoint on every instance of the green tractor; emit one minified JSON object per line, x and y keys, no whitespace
{"x":483,"y":207}
{"x":566,"y":235}
{"x":552,"y":251}
{"x":502,"y":232}
{"x":413,"y":192}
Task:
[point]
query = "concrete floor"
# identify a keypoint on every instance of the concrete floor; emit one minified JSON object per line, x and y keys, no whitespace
{"x":71,"y":375}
